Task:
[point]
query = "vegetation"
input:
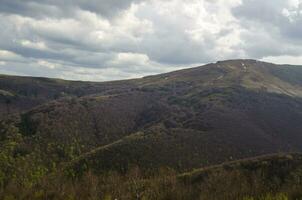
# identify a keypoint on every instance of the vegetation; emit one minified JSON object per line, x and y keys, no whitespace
{"x":275,"y":177}
{"x":135,"y":139}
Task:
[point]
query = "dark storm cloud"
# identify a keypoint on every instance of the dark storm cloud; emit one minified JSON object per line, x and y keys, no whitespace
{"x":63,"y":8}
{"x":272,"y":28}
{"x":262,"y":11}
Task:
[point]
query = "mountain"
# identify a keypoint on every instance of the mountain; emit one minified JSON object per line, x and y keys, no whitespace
{"x":185,"y":119}
{"x":19,"y":94}
{"x":210,"y":114}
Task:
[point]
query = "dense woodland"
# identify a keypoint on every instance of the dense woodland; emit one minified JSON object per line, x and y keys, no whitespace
{"x":158,"y":137}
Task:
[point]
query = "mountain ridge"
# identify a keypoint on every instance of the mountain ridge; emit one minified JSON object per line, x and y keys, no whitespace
{"x":194,"y":117}
{"x":55,"y":131}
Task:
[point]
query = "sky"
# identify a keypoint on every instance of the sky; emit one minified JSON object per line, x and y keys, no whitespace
{"x":101,"y":40}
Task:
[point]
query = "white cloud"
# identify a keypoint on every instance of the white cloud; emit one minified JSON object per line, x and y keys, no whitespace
{"x":293,"y":60}
{"x":33,"y":45}
{"x":7,"y":54}
{"x":47,"y":64}
{"x":130,"y":59}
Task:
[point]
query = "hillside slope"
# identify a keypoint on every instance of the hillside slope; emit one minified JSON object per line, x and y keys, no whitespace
{"x":19,"y":94}
{"x":184,"y":119}
{"x":275,"y":176}
{"x":212,"y":114}
{"x":267,"y":177}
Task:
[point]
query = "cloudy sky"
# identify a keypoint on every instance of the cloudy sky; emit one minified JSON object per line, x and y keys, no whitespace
{"x":102,"y":40}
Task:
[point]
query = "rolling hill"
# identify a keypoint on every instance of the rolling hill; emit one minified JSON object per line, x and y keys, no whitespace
{"x":185,"y":119}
